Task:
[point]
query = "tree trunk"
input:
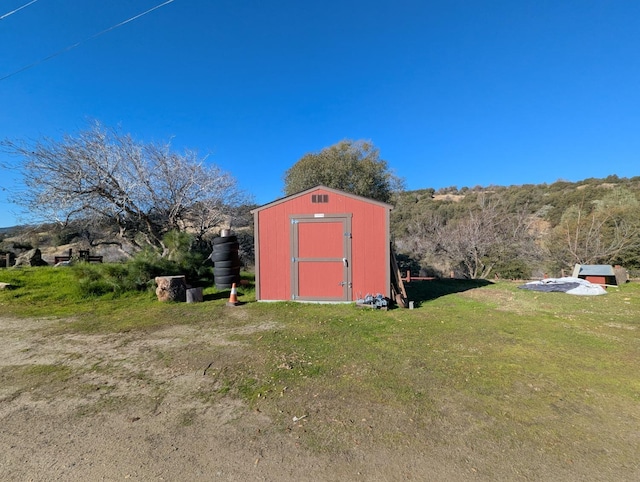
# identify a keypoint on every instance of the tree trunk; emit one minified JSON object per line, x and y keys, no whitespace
{"x":171,"y":288}
{"x":194,"y":295}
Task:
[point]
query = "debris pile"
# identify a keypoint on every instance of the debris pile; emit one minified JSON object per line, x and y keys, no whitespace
{"x":378,"y":301}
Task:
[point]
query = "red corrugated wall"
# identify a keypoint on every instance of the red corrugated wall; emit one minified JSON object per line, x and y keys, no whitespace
{"x":369,"y":242}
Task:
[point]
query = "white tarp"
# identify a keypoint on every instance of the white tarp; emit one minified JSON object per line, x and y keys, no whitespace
{"x":569,"y":285}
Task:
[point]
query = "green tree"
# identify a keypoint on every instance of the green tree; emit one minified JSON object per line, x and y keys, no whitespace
{"x":351,"y":166}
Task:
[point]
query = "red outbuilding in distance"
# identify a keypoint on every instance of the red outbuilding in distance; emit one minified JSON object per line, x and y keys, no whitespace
{"x":322,"y":244}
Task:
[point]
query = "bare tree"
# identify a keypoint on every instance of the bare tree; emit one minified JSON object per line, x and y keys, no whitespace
{"x":597,"y":233}
{"x":488,"y":237}
{"x":422,"y":235}
{"x":420,"y":241}
{"x":470,"y":241}
{"x":103,"y":177}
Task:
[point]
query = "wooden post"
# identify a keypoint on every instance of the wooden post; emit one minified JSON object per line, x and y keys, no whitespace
{"x":194,"y":295}
{"x":397,"y":285}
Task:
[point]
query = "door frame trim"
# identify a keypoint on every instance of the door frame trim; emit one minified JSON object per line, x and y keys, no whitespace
{"x":295,"y":219}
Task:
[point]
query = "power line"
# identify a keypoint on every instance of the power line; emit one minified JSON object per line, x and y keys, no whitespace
{"x":17,"y":9}
{"x":77,"y":44}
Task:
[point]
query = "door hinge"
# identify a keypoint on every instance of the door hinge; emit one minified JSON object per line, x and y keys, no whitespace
{"x":294,"y":221}
{"x":347,"y":235}
{"x":293,"y":260}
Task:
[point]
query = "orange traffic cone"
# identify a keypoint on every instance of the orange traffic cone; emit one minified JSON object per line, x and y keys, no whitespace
{"x":233,"y":297}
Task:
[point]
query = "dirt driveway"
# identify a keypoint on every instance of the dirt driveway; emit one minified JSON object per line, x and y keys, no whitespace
{"x":153,"y":405}
{"x":129,"y":406}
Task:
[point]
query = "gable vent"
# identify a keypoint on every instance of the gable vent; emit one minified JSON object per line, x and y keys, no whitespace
{"x":319,"y":198}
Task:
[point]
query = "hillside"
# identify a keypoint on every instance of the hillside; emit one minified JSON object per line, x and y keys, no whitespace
{"x":553,"y":199}
{"x":590,"y":215}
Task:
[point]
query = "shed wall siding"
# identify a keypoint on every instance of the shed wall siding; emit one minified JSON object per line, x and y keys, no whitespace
{"x":369,"y":243}
{"x":596,"y":280}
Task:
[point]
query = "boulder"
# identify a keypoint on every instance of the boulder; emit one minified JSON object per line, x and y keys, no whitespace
{"x":33,"y":257}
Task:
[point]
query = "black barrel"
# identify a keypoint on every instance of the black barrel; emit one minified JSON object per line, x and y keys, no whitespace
{"x":226,"y":262}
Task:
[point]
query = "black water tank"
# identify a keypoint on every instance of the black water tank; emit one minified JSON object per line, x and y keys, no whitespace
{"x":226,"y":262}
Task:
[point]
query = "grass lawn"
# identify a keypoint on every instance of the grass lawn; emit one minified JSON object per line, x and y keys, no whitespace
{"x":494,"y":375}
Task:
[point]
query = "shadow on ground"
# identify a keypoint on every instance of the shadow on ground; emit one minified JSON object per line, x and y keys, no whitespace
{"x":221,"y":295}
{"x":421,"y":291}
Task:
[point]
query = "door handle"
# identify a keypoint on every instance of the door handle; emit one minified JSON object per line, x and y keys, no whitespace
{"x":345,"y":262}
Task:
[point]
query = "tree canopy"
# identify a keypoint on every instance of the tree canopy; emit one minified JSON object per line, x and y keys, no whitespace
{"x":351,"y":166}
{"x":106,"y":179}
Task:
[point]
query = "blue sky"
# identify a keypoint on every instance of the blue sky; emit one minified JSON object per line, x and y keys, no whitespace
{"x":452,"y":92}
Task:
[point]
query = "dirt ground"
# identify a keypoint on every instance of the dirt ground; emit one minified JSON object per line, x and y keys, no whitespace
{"x":125,"y":414}
{"x":117,"y":407}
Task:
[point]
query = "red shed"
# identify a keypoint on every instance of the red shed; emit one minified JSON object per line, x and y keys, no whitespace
{"x":322,"y":244}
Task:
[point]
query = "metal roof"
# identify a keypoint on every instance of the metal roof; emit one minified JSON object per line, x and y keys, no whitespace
{"x":593,"y":270}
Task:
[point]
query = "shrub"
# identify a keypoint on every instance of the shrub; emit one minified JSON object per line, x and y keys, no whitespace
{"x":65,"y":236}
{"x":22,"y":245}
{"x":139,"y":273}
{"x":513,"y":269}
